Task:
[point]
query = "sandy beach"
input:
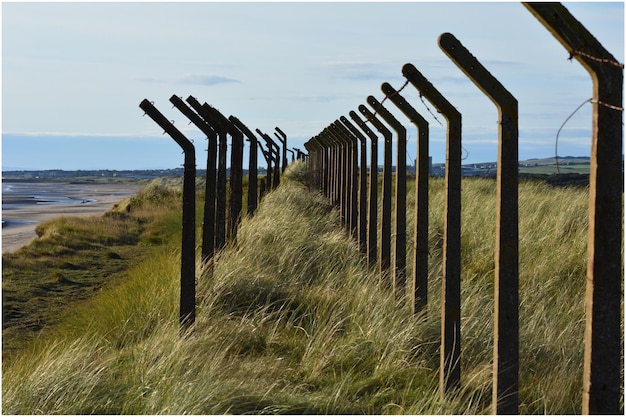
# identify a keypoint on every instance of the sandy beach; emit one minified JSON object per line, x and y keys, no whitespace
{"x":22,"y":212}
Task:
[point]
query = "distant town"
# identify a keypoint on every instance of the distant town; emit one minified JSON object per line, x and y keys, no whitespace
{"x":544,"y":166}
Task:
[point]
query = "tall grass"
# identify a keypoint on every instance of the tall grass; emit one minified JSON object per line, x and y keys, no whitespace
{"x":290,"y":320}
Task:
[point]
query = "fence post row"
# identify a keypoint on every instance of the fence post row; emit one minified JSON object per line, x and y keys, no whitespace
{"x":385,"y":238}
{"x":326,"y":168}
{"x":450,"y":367}
{"x":351,"y":187}
{"x":350,"y":178}
{"x":208,"y":226}
{"x":214,"y":125}
{"x":207,"y":113}
{"x":419,"y":292}
{"x":252,"y":166}
{"x":236,"y":172}
{"x":372,"y":211}
{"x":399,"y":270}
{"x":274,"y":151}
{"x":333,"y":159}
{"x":601,"y":368}
{"x":506,"y":287}
{"x":188,"y":246}
{"x":362,"y":193}
{"x":268,"y":173}
{"x":282,"y":137}
{"x":334,"y":173}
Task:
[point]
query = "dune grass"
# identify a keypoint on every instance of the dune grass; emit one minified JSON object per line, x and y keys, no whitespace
{"x":74,"y":257}
{"x":291,"y":321}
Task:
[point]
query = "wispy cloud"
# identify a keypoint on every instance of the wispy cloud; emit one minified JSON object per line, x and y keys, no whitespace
{"x":194,"y":79}
{"x":199,"y":79}
{"x":357,"y":70}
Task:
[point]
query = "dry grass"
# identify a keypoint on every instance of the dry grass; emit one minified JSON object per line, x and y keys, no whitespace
{"x":291,"y":321}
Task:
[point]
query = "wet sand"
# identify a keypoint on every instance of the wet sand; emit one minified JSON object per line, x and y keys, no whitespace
{"x":22,"y":215}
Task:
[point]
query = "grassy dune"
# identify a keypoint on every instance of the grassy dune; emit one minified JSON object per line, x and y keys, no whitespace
{"x":290,"y":320}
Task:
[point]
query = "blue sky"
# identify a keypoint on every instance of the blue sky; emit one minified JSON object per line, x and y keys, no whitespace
{"x":73,"y":74}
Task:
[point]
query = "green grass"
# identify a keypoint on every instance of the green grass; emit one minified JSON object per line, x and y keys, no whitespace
{"x":563,"y":168}
{"x":75,"y":257}
{"x":291,"y":321}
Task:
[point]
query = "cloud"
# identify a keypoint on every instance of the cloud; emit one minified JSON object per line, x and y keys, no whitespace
{"x":194,"y":79}
{"x":299,"y":98}
{"x":357,"y":70}
{"x":206,"y":79}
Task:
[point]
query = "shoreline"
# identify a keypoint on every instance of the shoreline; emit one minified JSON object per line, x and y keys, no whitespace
{"x":22,"y":220}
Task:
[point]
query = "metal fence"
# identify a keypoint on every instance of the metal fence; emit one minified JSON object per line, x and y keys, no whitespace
{"x":337,"y":160}
{"x":334,"y":164}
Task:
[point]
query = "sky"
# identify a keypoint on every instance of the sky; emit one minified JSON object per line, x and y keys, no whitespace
{"x":73,"y":74}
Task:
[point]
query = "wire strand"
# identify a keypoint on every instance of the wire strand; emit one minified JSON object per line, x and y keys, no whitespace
{"x":429,"y":110}
{"x":556,"y":142}
{"x":369,"y":119}
{"x":575,"y":52}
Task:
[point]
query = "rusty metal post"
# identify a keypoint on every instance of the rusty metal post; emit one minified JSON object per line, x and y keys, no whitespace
{"x":420,"y":254}
{"x":208,"y":226}
{"x":188,"y":247}
{"x":450,"y":372}
{"x":399,"y":269}
{"x":385,"y":237}
{"x":220,"y":196}
{"x":506,"y":288}
{"x":372,"y":210}
{"x":602,"y":363}
{"x":282,"y":137}
{"x":252,"y":165}
{"x":362,"y":193}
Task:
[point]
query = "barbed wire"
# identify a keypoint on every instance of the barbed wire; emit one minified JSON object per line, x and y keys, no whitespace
{"x":576,"y":52}
{"x":369,"y":119}
{"x":429,"y":110}
{"x":610,"y":106}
